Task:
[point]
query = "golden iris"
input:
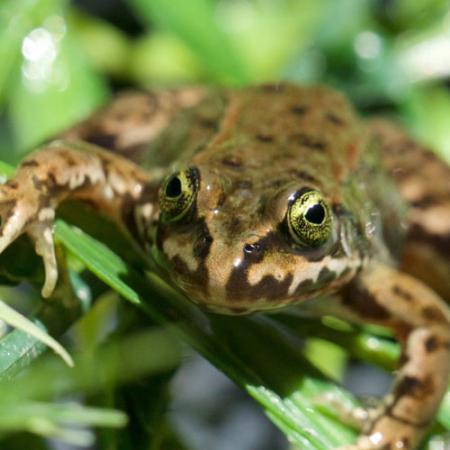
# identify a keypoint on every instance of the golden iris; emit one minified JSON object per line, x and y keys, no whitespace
{"x":309,"y":219}
{"x":177,"y":194}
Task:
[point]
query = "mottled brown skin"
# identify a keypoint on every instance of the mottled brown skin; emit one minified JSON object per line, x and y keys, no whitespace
{"x":424,"y":185}
{"x":254,"y":150}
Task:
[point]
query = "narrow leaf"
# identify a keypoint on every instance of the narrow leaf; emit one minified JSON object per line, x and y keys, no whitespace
{"x":17,"y":320}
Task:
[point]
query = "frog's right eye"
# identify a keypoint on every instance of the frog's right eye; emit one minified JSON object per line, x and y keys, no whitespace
{"x":177,"y":194}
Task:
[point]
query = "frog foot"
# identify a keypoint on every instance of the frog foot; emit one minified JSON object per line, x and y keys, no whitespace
{"x":377,"y":441}
{"x":356,"y":417}
{"x":22,"y":210}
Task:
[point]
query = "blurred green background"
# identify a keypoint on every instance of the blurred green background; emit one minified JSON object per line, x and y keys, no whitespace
{"x":60,"y":60}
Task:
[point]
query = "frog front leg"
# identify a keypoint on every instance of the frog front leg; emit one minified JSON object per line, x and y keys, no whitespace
{"x":421,"y":322}
{"x":76,"y":170}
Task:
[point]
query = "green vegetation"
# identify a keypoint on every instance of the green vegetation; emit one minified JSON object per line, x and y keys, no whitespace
{"x":58,"y":64}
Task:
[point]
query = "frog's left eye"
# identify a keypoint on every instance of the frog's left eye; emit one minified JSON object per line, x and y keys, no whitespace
{"x":177,"y":194}
{"x":309,"y":219}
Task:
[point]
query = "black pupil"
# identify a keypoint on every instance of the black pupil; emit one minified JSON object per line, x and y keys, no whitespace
{"x":173,"y":188}
{"x":315,"y":214}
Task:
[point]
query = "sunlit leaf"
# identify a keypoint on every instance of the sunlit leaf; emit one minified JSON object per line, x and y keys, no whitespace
{"x":19,"y":321}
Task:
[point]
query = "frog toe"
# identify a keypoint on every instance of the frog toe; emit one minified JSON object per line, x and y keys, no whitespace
{"x":13,"y":220}
{"x":41,"y":234}
{"x":20,"y":213}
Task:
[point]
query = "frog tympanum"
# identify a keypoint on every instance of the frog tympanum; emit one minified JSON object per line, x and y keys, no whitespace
{"x":254,"y":199}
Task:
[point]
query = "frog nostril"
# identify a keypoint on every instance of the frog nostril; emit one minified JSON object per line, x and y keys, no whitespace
{"x":251,"y":248}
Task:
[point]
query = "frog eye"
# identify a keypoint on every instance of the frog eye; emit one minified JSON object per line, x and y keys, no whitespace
{"x":177,"y":194}
{"x":309,"y":219}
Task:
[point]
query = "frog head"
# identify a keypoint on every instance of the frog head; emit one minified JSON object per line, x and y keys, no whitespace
{"x":237,"y":244}
{"x":267,"y":212}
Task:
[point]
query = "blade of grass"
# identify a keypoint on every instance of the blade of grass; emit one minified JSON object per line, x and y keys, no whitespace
{"x":121,"y":361}
{"x":358,"y":343}
{"x":54,"y":316}
{"x":19,"y":321}
{"x":51,"y":420}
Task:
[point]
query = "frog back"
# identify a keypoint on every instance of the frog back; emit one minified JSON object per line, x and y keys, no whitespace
{"x":422,"y":180}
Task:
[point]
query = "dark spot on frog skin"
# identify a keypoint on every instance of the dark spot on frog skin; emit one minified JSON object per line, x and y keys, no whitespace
{"x":439,"y":242}
{"x":68,"y":158}
{"x":308,"y":141}
{"x":304,"y":286}
{"x":266,"y":138}
{"x":105,"y":140}
{"x":269,"y":287}
{"x":414,"y":387}
{"x":426,"y":201}
{"x":209,"y":124}
{"x":238,"y":286}
{"x":105,"y":167}
{"x":234,"y":225}
{"x":12,"y":184}
{"x":404,"y":358}
{"x":221,"y":200}
{"x":326,"y":276}
{"x":434,"y":314}
{"x":179,"y":266}
{"x":299,"y":110}
{"x":201,"y":247}
{"x":11,"y":205}
{"x":29,"y":163}
{"x":361,"y":301}
{"x":231,"y":160}
{"x":203,"y":242}
{"x":302,"y":175}
{"x":37,"y":183}
{"x":402,"y":293}
{"x":334,"y":118}
{"x":431,"y":344}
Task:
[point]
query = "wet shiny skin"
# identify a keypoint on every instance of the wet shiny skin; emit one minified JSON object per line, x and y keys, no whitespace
{"x":235,"y":253}
{"x":230,"y":232}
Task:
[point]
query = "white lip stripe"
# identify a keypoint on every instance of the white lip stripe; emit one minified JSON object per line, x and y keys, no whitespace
{"x":173,"y":248}
{"x":313,"y":269}
{"x":303,"y":270}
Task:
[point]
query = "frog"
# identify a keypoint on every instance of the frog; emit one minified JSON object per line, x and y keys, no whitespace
{"x":260,"y":198}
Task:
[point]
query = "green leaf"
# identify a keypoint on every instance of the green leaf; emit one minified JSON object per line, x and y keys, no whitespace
{"x":17,"y":18}
{"x":427,"y":111}
{"x":46,"y":94}
{"x":20,"y":322}
{"x":195,"y":22}
{"x":51,"y":420}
